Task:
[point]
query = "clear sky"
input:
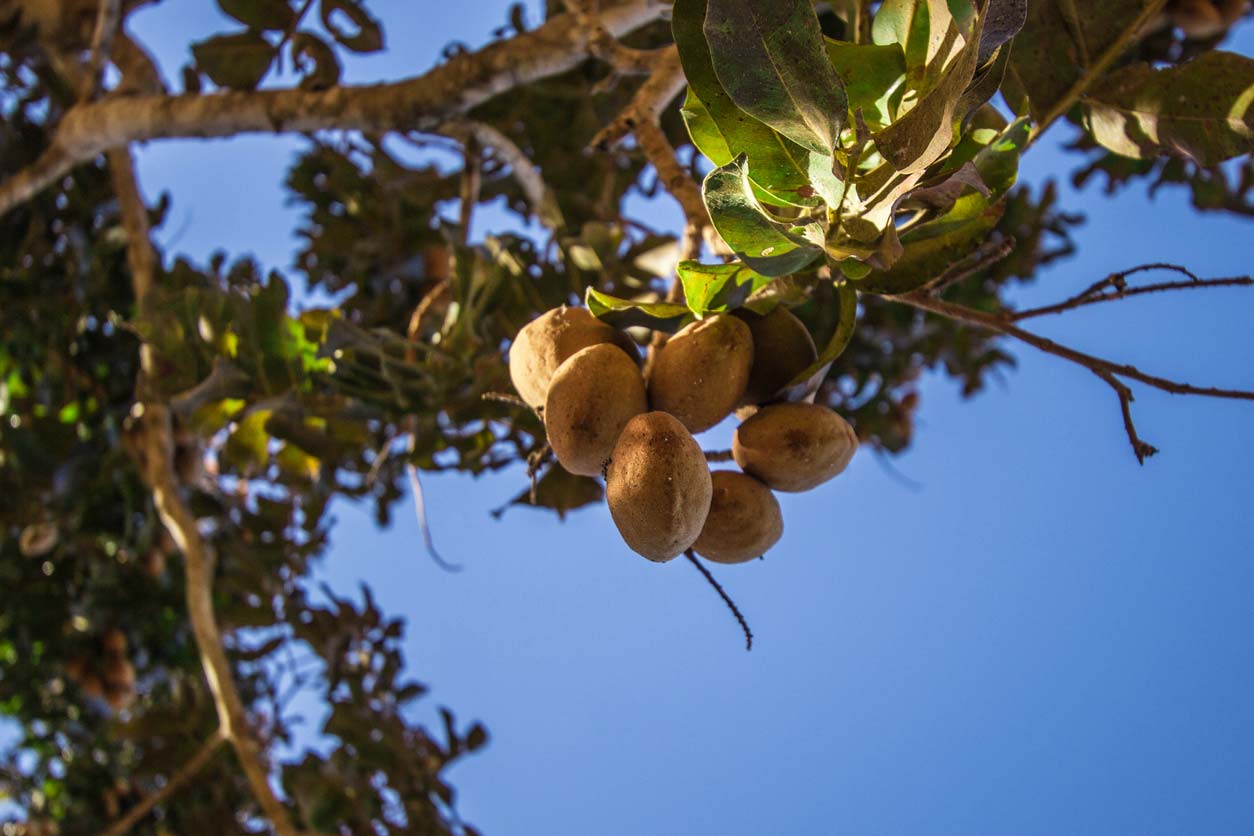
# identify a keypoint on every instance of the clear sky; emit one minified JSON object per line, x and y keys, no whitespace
{"x":1042,"y":638}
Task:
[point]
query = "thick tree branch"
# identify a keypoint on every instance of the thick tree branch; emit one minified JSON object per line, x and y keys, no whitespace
{"x":175,"y":782}
{"x":658,"y":91}
{"x":603,"y":45}
{"x":420,"y":103}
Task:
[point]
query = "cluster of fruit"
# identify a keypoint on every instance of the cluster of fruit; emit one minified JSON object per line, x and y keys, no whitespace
{"x":603,"y":417}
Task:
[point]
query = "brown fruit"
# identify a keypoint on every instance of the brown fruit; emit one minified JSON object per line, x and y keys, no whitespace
{"x":794,"y":446}
{"x":744,"y":519}
{"x":114,"y":642}
{"x":782,"y":349}
{"x":548,"y":341}
{"x":700,"y":374}
{"x":658,"y":486}
{"x":591,"y":398}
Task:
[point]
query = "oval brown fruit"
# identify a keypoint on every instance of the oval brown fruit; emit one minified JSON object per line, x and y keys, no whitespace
{"x":700,"y":374}
{"x":658,"y":486}
{"x":744,"y":521}
{"x":782,"y":349}
{"x":591,"y":398}
{"x":794,"y":446}
{"x":552,"y":338}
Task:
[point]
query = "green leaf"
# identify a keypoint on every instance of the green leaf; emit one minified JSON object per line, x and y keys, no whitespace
{"x":626,"y":313}
{"x":275,"y":15}
{"x":925,"y":132}
{"x":1202,"y":110}
{"x":933,"y":247}
{"x":368,"y":34}
{"x":247,"y":448}
{"x":928,"y":32}
{"x":236,"y":62}
{"x":766,"y":245}
{"x":770,"y":58}
{"x":710,"y":288}
{"x":874,"y":77}
{"x":722,"y":131}
{"x":809,"y":380}
{"x":1060,"y":45}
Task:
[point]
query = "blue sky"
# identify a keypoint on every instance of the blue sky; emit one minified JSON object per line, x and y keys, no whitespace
{"x":1043,"y":637}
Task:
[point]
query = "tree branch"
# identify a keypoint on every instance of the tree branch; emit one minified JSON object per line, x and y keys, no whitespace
{"x":185,"y":773}
{"x":154,"y":454}
{"x":523,"y":170}
{"x":108,"y":19}
{"x":659,"y":90}
{"x":1115,"y":287}
{"x":1107,"y":370}
{"x":603,"y":45}
{"x":419,"y":103}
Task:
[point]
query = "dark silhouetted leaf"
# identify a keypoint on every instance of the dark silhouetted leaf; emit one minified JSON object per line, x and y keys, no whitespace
{"x":237,"y":61}
{"x":276,"y":15}
{"x":315,"y":58}
{"x":1202,"y":110}
{"x":368,"y":36}
{"x":1060,"y":44}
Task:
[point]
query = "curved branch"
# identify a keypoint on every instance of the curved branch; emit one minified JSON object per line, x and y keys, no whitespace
{"x":185,"y":773}
{"x":523,"y":170}
{"x":154,"y":455}
{"x":1115,"y":287}
{"x":659,"y":90}
{"x":419,"y":103}
{"x":1107,"y":370}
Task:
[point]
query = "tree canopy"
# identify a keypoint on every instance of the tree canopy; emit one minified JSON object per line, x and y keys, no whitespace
{"x":173,"y":433}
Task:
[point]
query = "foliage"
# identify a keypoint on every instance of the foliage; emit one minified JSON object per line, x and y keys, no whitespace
{"x":845,"y":161}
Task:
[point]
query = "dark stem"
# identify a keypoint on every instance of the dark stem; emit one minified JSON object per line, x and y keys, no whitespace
{"x":731,"y":605}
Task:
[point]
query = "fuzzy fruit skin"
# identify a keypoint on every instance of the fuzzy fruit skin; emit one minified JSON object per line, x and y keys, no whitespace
{"x":658,"y":486}
{"x":549,"y":340}
{"x":591,"y":398}
{"x":744,"y":521}
{"x":700,"y":374}
{"x":794,"y":446}
{"x":782,"y":349}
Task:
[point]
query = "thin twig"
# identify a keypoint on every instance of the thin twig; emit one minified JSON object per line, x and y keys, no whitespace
{"x":185,"y":773}
{"x":1107,"y":370}
{"x":523,"y":170}
{"x":472,"y":184}
{"x":718,"y":456}
{"x":1115,"y":287}
{"x":731,"y":605}
{"x":420,"y":511}
{"x":108,"y":19}
{"x":1142,"y":450}
{"x":984,"y":256}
